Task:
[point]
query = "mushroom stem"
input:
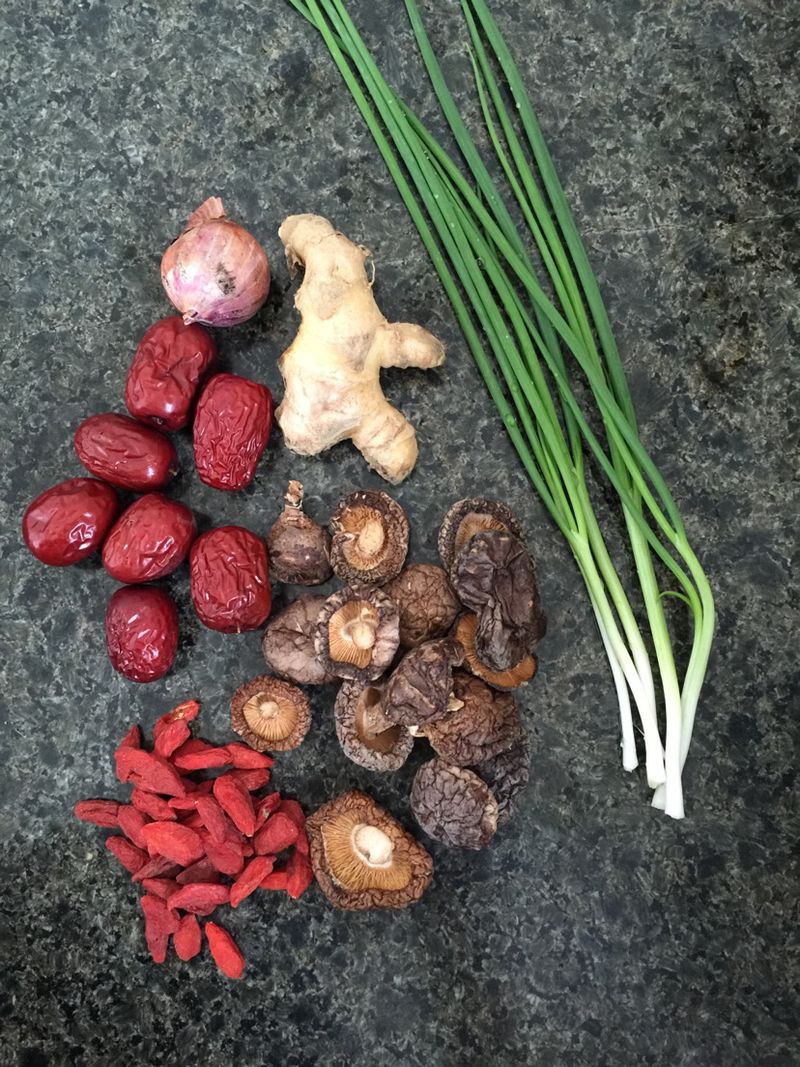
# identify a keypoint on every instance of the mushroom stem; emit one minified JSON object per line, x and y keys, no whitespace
{"x":373,"y":846}
{"x":371,"y":538}
{"x":362,"y":634}
{"x":294,"y":495}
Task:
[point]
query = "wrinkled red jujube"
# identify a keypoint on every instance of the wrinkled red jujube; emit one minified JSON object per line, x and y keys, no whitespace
{"x":232,"y":425}
{"x":229,"y":576}
{"x":150,"y":539}
{"x":170,"y":362}
{"x":69,"y":521}
{"x":141,"y":632}
{"x":126,"y":453}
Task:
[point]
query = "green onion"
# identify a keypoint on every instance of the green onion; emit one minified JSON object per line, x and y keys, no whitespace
{"x":526,"y":344}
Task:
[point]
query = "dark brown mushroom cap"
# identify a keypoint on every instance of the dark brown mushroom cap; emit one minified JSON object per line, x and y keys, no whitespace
{"x":494,"y":576}
{"x":299,"y":548}
{"x":427,"y":603}
{"x":482,"y":724}
{"x":288,"y":643}
{"x":469,"y":517}
{"x":270,"y":715}
{"x":506,"y":774}
{"x":453,"y":805}
{"x":367,"y":737}
{"x":363,"y":858}
{"x":515,"y":676}
{"x":357,"y":633}
{"x":419,"y":689}
{"x":370,"y":537}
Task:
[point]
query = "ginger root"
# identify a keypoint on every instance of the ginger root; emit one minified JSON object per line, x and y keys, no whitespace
{"x":332,"y":368}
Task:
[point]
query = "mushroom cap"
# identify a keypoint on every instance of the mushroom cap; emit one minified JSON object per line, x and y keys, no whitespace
{"x":427,"y":603}
{"x":357,"y":633}
{"x":469,"y":517}
{"x":270,"y":715}
{"x":419,"y":689}
{"x":515,"y":676}
{"x":506,"y":774}
{"x":453,"y":805}
{"x":299,"y":548}
{"x":367,"y":737}
{"x":494,"y":576}
{"x":482,"y":724}
{"x":370,"y":537}
{"x":288,"y":643}
{"x":363,"y":858}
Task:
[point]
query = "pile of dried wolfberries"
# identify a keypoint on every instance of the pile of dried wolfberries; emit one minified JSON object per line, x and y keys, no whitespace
{"x":194,"y":845}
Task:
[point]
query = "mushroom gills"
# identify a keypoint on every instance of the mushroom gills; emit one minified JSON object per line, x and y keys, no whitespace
{"x":361,"y":856}
{"x":270,"y":719}
{"x":351,"y":633}
{"x":365,"y":537}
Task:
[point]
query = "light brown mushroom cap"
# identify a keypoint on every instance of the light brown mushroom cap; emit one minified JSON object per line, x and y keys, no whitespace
{"x":515,"y":676}
{"x":369,"y":538}
{"x":367,"y":737}
{"x":363,"y":858}
{"x":469,"y":517}
{"x":357,"y":633}
{"x":270,"y":715}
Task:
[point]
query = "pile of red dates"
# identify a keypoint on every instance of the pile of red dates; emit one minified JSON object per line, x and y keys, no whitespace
{"x":228,"y":566}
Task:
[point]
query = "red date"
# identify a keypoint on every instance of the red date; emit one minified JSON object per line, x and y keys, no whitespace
{"x":170,"y":362}
{"x":149,"y":540}
{"x":69,"y":521}
{"x":125,"y":453}
{"x":231,"y":429}
{"x":229,"y":577}
{"x":141,"y":632}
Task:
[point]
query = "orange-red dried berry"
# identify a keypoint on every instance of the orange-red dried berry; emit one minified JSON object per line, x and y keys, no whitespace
{"x":276,"y":879}
{"x":151,"y":804}
{"x":277,"y":833}
{"x":213,"y":818}
{"x":159,"y":922}
{"x":250,"y":879}
{"x":100,"y":812}
{"x":224,"y":950}
{"x":148,"y":771}
{"x":132,"y":739}
{"x":163,"y":888}
{"x":200,"y":898}
{"x":197,"y":755}
{"x":172,"y":737}
{"x":173,"y":841}
{"x":157,"y":867}
{"x":299,"y":874}
{"x":187,"y":939}
{"x":252,"y":779}
{"x":294,"y":811}
{"x":202,"y":871}
{"x":131,"y":822}
{"x":264,"y":806}
{"x":185,"y":712}
{"x":131,"y":857}
{"x":226,"y":857}
{"x":236,"y":802}
{"x":246,"y":758}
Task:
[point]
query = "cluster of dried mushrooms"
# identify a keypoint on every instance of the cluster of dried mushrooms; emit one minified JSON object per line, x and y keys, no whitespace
{"x":419,"y":651}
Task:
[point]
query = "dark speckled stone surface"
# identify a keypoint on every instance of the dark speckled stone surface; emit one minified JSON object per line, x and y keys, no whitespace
{"x":594,"y":931}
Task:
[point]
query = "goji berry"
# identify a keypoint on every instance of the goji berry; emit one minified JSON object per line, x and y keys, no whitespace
{"x":213,"y":818}
{"x":197,"y":755}
{"x":131,"y":823}
{"x":250,"y":879}
{"x":224,"y":950}
{"x":251,"y":779}
{"x":183,"y":803}
{"x":151,"y":804}
{"x":173,"y":841}
{"x":132,"y":739}
{"x":247,"y":849}
{"x":294,"y":811}
{"x":299,"y":875}
{"x":264,"y":806}
{"x":276,"y":879}
{"x":200,"y":898}
{"x":277,"y":833}
{"x":151,"y":772}
{"x":159,"y":922}
{"x":226,"y":857}
{"x":185,"y":712}
{"x":131,"y":857}
{"x":247,"y":758}
{"x":100,"y":812}
{"x":236,"y":802}
{"x":198,"y":789}
{"x":301,"y":844}
{"x":157,"y":867}
{"x":202,"y":871}
{"x":187,"y":939}
{"x":171,"y":737}
{"x":163,"y":888}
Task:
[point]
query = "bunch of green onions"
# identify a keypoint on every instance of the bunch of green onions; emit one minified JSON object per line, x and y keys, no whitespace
{"x":530,"y":329}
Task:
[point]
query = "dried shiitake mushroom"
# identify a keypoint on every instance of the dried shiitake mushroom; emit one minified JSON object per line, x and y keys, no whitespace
{"x":469,"y":517}
{"x":370,"y":538}
{"x":357,"y":633}
{"x":494,"y":576}
{"x":482,"y":724}
{"x":364,"y":732}
{"x":288,"y":643}
{"x":270,"y":715}
{"x":426,"y":601}
{"x":506,"y":774}
{"x":299,"y":548}
{"x":518,"y":674}
{"x":421,"y":687}
{"x":362,"y":856}
{"x":453,"y":805}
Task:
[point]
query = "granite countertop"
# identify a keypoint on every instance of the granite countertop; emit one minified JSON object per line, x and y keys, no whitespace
{"x":594,"y":931}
